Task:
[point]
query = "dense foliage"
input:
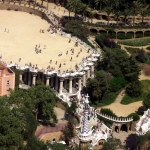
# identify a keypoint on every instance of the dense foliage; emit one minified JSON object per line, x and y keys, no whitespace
{"x":19,"y":113}
{"x":114,"y":72}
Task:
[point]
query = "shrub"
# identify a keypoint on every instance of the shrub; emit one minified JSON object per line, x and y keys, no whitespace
{"x":134,"y":89}
{"x":108,"y":112}
{"x":142,"y":56}
{"x":117,"y":83}
{"x":136,"y":42}
{"x":148,"y":48}
{"x":135,"y":116}
{"x":147,"y":33}
{"x":138,"y":34}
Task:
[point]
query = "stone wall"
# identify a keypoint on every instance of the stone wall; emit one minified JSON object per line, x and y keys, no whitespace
{"x":13,"y":7}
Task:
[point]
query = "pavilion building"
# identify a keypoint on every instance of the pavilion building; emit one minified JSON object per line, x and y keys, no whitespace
{"x":7,"y":79}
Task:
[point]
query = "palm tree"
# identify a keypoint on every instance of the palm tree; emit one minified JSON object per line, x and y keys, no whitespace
{"x":83,"y":8}
{"x":100,"y":2}
{"x":136,"y":6}
{"x":73,"y":6}
{"x":115,"y":3}
{"x":144,"y":14}
{"x":108,"y":10}
{"x":126,"y":13}
{"x":117,"y":14}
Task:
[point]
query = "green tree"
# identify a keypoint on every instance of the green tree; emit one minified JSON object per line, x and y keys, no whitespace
{"x":34,"y":143}
{"x":72,"y":108}
{"x":108,"y":10}
{"x":68,"y":132}
{"x":126,"y":13}
{"x":136,"y":6}
{"x":97,"y":87}
{"x":146,"y":101}
{"x":117,"y":15}
{"x":10,"y":130}
{"x":112,"y":144}
{"x":134,"y":89}
{"x":57,"y":146}
{"x":117,"y":83}
{"x":142,"y":56}
{"x":100,"y":2}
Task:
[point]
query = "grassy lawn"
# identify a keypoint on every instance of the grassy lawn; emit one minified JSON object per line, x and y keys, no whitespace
{"x":135,"y":42}
{"x":145,"y":89}
{"x":132,"y":51}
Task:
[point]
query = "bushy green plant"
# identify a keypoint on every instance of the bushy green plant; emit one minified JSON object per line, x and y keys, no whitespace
{"x":142,"y":56}
{"x":148,"y":48}
{"x":117,"y":83}
{"x":109,"y":112}
{"x":136,"y":42}
{"x":139,"y":34}
{"x":135,"y":116}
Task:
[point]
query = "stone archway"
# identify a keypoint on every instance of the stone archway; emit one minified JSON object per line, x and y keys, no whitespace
{"x":103,"y":32}
{"x":121,"y":35}
{"x":130,"y":35}
{"x":139,"y":34}
{"x":146,"y":33}
{"x":124,"y":127}
{"x":93,"y":31}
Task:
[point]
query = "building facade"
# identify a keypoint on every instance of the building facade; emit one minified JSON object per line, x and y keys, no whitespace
{"x":7,"y":79}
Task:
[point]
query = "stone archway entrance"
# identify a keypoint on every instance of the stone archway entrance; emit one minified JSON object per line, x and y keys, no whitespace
{"x":124,"y":128}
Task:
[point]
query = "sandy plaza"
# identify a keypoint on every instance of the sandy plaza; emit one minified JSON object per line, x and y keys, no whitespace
{"x":20,"y":34}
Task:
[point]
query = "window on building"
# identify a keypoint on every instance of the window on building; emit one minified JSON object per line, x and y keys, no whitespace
{"x":8,"y":82}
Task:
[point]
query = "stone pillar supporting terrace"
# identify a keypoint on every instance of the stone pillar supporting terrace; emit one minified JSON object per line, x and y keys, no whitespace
{"x":84,"y":80}
{"x":79,"y":83}
{"x":56,"y":83}
{"x":34,"y":74}
{"x":65,"y":84}
{"x":29,"y":78}
{"x":20,"y":78}
{"x":92,"y":71}
{"x":52,"y":81}
{"x":61,"y":85}
{"x":47,"y":80}
{"x":70,"y":85}
{"x":88,"y":73}
{"x":74,"y":82}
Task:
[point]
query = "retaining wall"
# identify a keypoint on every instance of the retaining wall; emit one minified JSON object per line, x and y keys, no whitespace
{"x":13,"y":7}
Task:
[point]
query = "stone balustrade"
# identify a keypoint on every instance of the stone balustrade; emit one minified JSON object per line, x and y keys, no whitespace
{"x":115,"y":119}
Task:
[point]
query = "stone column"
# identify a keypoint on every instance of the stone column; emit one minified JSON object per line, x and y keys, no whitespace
{"x":29,"y":78}
{"x":79,"y":83}
{"x":88,"y":73}
{"x":70,"y":85}
{"x":84,"y":79}
{"x":34,"y":78}
{"x":74,"y":82}
{"x":43,"y":78}
{"x":47,"y":80}
{"x":61,"y":86}
{"x":20,"y":77}
{"x":92,"y":71}
{"x":38,"y":76}
{"x":56,"y":83}
{"x":25,"y":76}
{"x":52,"y":82}
{"x":65,"y":84}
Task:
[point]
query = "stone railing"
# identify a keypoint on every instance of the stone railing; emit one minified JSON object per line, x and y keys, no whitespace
{"x":115,"y":119}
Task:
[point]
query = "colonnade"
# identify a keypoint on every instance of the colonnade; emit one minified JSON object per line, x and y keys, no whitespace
{"x":58,"y":81}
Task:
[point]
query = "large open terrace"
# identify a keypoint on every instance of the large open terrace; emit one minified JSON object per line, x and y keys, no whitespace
{"x":22,"y":34}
